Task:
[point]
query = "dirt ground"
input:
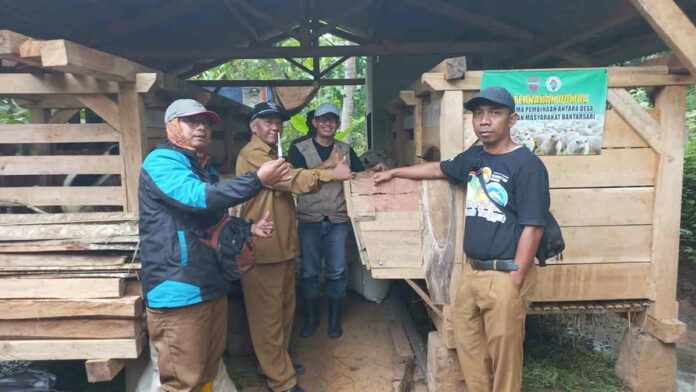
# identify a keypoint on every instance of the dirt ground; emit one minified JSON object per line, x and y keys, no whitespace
{"x":362,"y":360}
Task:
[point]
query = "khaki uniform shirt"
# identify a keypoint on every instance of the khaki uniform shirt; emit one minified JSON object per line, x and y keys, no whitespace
{"x":284,"y":243}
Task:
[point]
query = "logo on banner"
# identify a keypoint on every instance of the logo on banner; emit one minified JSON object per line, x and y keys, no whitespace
{"x":553,"y":83}
{"x":533,"y":83}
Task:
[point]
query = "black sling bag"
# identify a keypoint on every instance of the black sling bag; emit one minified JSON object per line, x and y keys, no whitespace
{"x":551,"y":244}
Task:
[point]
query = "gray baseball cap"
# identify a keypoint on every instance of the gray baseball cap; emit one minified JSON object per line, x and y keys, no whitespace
{"x":493,"y":94}
{"x":189,"y":107}
{"x":326,"y":108}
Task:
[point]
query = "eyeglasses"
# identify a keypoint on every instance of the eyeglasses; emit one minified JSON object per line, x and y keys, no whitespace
{"x":327,"y":120}
{"x":196,"y":120}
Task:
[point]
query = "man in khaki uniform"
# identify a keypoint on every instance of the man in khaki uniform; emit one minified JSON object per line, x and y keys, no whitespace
{"x":269,"y":288}
{"x":494,"y":291}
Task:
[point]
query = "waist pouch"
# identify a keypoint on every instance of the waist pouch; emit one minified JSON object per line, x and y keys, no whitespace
{"x":231,"y":240}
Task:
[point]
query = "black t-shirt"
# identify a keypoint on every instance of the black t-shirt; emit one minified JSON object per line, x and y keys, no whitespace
{"x":298,"y":160}
{"x":518,"y":180}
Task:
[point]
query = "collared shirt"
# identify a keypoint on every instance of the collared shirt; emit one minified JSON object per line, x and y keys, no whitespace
{"x":277,"y":199}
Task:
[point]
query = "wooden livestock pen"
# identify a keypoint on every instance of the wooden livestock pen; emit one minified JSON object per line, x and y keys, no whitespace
{"x":619,"y":210}
{"x":68,"y":281}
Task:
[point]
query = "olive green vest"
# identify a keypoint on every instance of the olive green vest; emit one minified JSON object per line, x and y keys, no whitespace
{"x":329,"y":200}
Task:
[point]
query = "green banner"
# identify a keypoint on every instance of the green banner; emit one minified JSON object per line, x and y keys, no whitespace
{"x":560,"y":112}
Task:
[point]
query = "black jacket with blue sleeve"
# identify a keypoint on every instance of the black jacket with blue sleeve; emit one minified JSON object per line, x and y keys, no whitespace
{"x":179,"y":199}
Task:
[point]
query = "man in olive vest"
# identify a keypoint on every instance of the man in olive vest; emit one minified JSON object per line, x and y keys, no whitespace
{"x":323,"y":221}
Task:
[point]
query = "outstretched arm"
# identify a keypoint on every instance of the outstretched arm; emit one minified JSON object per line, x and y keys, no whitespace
{"x":424,"y":171}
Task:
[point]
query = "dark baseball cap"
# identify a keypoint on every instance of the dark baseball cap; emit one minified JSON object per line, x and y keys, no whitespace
{"x":270,"y":108}
{"x":189,"y":107}
{"x":492,"y":94}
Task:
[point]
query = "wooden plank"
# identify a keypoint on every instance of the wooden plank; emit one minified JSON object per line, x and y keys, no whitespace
{"x":122,"y":307}
{"x":58,"y":260}
{"x":635,"y":116}
{"x":618,"y":77}
{"x":592,"y":282}
{"x":66,"y":196}
{"x":126,"y":244}
{"x":668,"y":195}
{"x":667,"y":330}
{"x":57,"y":83}
{"x":60,"y":164}
{"x":60,"y":218}
{"x":673,"y":26}
{"x":402,"y":348}
{"x":83,"y":232}
{"x":398,"y":273}
{"x":39,"y":350}
{"x":613,"y":167}
{"x":392,"y":220}
{"x":602,"y":206}
{"x":101,"y":370}
{"x":61,"y":288}
{"x":70,"y":57}
{"x":104,"y":107}
{"x":71,"y":329}
{"x":606,"y":244}
{"x":10,"y":43}
{"x":393,"y":249}
{"x":66,"y":269}
{"x":133,"y":141}
{"x":61,"y":116}
{"x":618,"y":133}
{"x":408,"y":97}
{"x":57,"y":133}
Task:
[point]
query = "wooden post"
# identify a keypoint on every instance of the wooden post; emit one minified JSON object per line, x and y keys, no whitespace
{"x":133,"y":141}
{"x":418,"y":130}
{"x":671,"y":101}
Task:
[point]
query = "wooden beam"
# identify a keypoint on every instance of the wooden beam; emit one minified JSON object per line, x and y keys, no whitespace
{"x":250,"y":8}
{"x":670,"y":60}
{"x":615,"y":14}
{"x":56,"y":133}
{"x":342,"y":17}
{"x":10,"y":43}
{"x":623,"y":77}
{"x":490,"y":25}
{"x":278,"y":83}
{"x":78,"y":217}
{"x":21,"y":309}
{"x":433,"y":48}
{"x":63,"y":196}
{"x":62,"y":116}
{"x":101,"y":370}
{"x":69,"y":57}
{"x":242,"y":20}
{"x":70,"y":329}
{"x":333,"y":66}
{"x":16,"y":288}
{"x":133,"y":141}
{"x":671,"y":101}
{"x":34,"y":84}
{"x":63,"y":164}
{"x":104,"y":107}
{"x":452,"y":68}
{"x":667,"y":330}
{"x":68,"y":231}
{"x":67,"y":349}
{"x":673,"y":26}
{"x":636,"y":117}
{"x":408,"y":97}
{"x":299,"y":66}
{"x":24,"y":261}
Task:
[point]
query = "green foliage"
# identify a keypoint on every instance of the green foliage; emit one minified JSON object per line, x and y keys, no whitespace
{"x":688,"y":218}
{"x":12,"y":113}
{"x":269,"y":69}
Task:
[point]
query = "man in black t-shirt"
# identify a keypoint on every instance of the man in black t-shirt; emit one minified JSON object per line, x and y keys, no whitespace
{"x":505,"y":219}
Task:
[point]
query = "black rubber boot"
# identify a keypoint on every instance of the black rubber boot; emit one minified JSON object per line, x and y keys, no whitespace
{"x":335,"y":330}
{"x":312,"y":320}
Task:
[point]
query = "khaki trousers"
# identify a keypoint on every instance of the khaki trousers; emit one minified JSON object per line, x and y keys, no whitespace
{"x":489,"y":315}
{"x":269,"y":297}
{"x":189,"y":341}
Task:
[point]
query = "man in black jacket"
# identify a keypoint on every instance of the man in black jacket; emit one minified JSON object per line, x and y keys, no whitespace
{"x":180,"y":196}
